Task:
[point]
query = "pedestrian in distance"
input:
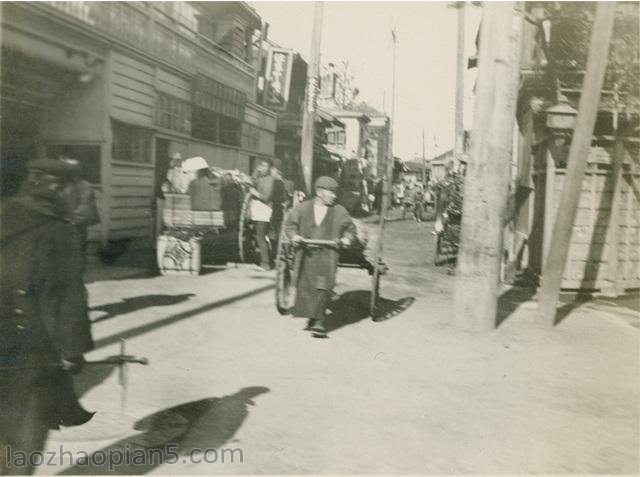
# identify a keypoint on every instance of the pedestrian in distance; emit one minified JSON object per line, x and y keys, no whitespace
{"x":41,"y":340}
{"x":318,"y":218}
{"x":408,"y":201}
{"x":418,"y":205}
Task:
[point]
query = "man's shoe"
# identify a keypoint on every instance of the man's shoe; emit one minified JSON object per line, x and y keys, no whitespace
{"x":318,"y":330}
{"x":310,"y":325}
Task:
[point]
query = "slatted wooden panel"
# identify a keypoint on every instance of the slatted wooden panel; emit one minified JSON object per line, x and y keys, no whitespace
{"x":589,"y":264}
{"x":132,"y":194}
{"x":132,"y":90}
{"x":629,"y":232}
{"x":174,"y":85}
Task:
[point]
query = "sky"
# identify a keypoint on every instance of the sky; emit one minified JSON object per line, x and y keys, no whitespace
{"x":360,"y":33}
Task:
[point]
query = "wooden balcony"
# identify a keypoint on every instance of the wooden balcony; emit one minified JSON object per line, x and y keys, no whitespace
{"x":148,"y":27}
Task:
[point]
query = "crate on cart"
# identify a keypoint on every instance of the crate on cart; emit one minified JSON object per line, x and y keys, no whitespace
{"x":177,"y":256}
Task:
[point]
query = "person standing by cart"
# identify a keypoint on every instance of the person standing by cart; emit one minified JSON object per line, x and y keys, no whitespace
{"x":262,"y":209}
{"x":319,"y":218}
{"x":81,"y":203}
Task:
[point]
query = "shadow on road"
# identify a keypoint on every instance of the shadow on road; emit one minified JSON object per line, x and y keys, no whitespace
{"x":510,"y":300}
{"x":353,"y":306}
{"x":91,"y":376}
{"x":171,"y":435}
{"x":129,"y":305}
{"x":133,"y":332}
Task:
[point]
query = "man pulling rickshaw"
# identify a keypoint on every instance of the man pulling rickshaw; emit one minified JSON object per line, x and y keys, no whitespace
{"x":318,"y":228}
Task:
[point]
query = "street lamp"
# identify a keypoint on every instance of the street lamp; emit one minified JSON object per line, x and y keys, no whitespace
{"x":561,"y":120}
{"x":561,"y":115}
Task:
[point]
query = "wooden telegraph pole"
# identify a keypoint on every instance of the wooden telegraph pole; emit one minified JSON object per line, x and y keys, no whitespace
{"x":489,"y":169}
{"x":387,"y":180}
{"x":577,"y":161}
{"x":424,"y":162}
{"x":310,"y":98}
{"x":460,"y":70}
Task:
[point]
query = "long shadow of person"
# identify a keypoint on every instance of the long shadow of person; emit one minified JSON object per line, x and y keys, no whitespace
{"x":129,"y":305}
{"x":353,"y":306}
{"x":171,"y":435}
{"x":90,"y":377}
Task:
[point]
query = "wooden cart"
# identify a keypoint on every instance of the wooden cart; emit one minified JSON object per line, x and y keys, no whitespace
{"x":189,"y":237}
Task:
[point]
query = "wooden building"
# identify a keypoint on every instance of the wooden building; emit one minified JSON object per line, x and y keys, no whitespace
{"x":604,"y":251}
{"x":122,"y":86}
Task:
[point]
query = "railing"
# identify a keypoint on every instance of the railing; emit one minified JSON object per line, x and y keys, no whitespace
{"x":137,"y":23}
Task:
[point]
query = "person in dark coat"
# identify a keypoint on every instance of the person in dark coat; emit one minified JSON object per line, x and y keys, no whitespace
{"x":39,"y":341}
{"x":317,"y":218}
{"x":82,"y":210}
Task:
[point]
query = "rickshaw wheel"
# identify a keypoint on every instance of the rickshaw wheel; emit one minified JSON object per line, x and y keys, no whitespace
{"x":243,"y":229}
{"x":375,"y":290}
{"x":437,"y":258}
{"x":285,"y":288}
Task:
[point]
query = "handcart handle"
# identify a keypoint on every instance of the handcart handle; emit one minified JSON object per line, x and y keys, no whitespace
{"x":320,"y":243}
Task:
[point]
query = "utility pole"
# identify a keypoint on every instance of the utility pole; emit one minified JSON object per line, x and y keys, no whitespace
{"x":460,"y":70}
{"x":424,"y":162}
{"x":310,"y":98}
{"x":579,"y":150}
{"x":488,"y":174}
{"x":388,"y":179}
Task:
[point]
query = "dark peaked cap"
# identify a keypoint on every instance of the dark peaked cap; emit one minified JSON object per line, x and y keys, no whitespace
{"x":54,"y":167}
{"x":326,"y":182}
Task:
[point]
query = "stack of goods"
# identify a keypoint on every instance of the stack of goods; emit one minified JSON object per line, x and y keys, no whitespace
{"x":178,"y":255}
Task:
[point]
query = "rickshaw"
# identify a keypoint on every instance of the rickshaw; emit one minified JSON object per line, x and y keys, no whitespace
{"x":358,"y":255}
{"x":194,"y":239}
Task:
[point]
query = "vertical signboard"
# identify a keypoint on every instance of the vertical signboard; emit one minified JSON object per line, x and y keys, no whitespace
{"x":278,"y":75}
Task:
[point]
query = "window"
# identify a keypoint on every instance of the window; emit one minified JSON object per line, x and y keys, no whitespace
{"x":229,"y":131}
{"x":250,"y":137}
{"x":87,"y":155}
{"x":331,"y":137}
{"x":341,"y":139}
{"x":215,"y":96}
{"x":130,"y":143}
{"x":173,"y":113}
{"x":215,"y":127}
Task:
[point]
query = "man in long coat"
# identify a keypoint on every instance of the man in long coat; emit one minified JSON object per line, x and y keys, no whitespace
{"x":41,"y":257}
{"x":321,"y":219}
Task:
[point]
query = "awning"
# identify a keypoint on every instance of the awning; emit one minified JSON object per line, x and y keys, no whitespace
{"x":336,"y":154}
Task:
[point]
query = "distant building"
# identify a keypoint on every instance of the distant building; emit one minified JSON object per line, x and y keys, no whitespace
{"x":122,"y":86}
{"x":439,"y":164}
{"x":284,"y":76}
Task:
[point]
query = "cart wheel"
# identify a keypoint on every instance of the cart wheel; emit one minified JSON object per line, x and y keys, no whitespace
{"x":243,"y":232}
{"x":438,"y":258}
{"x":285,"y":288}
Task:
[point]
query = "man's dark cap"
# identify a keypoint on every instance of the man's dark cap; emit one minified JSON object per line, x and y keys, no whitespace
{"x":55,"y":167}
{"x":326,"y":182}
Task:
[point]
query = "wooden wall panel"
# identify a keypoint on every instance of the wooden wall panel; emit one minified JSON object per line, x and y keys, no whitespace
{"x":132,"y":195}
{"x":132,"y":90}
{"x":174,"y":85}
